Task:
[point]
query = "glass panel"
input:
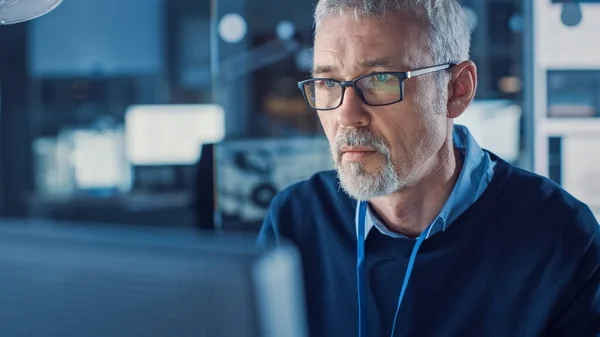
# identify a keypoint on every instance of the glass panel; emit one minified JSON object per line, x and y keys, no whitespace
{"x":574,"y":93}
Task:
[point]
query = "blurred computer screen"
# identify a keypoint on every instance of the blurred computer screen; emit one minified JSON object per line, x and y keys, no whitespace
{"x":100,"y":280}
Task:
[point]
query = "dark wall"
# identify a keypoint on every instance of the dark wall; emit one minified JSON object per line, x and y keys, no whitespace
{"x":16,"y":178}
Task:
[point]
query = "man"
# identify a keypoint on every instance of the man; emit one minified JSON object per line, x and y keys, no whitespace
{"x":421,"y":232}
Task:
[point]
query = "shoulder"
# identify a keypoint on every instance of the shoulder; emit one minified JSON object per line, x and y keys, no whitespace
{"x":320,"y":184}
{"x":540,"y":204}
{"x":303,"y":207}
{"x":542,"y":195}
{"x":320,"y":189}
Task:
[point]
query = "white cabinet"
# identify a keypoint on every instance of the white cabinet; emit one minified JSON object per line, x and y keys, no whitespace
{"x":566,"y":104}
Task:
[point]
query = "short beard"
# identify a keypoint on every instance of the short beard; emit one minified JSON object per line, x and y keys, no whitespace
{"x":352,"y":177}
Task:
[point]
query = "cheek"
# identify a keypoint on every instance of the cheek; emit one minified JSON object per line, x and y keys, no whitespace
{"x":429,"y":140}
{"x":397,"y":127}
{"x":412,"y":135}
{"x":327,"y":119}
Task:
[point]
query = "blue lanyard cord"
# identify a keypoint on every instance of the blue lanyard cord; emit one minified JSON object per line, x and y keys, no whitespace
{"x":411,"y":264}
{"x":360,"y":272}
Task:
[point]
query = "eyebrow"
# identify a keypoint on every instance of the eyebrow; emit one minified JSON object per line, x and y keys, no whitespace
{"x":324,"y":69}
{"x":372,"y":63}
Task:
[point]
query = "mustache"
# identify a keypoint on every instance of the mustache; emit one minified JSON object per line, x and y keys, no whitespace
{"x":359,"y":137}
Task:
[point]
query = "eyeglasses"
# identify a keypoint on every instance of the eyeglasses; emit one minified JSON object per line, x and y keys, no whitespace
{"x":375,"y":89}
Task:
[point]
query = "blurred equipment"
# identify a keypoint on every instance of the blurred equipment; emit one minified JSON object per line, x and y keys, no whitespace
{"x":164,"y":143}
{"x":81,"y":162}
{"x":252,"y":171}
{"x":204,"y":193}
{"x":15,"y":11}
{"x":72,"y":280}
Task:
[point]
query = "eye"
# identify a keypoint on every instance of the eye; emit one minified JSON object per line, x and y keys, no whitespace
{"x":382,"y":77}
{"x":330,"y":83}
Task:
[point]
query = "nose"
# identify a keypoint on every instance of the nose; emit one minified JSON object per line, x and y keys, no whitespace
{"x":352,"y":113}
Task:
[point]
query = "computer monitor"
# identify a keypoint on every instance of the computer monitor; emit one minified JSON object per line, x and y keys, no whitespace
{"x":72,"y":280}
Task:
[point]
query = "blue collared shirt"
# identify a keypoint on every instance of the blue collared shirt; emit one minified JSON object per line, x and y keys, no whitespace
{"x":476,"y":173}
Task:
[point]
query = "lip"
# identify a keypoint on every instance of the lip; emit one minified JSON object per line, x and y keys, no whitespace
{"x":356,"y":149}
{"x":356,"y":153}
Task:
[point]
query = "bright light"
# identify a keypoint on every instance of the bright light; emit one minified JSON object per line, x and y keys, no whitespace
{"x":96,"y":159}
{"x":232,"y":28}
{"x":171,"y":134}
{"x":285,"y":30}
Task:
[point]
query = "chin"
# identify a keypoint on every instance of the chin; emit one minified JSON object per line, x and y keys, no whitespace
{"x":363,"y":184}
{"x":361,"y":169}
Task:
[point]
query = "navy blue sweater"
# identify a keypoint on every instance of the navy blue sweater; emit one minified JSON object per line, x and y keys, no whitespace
{"x":524,"y":260}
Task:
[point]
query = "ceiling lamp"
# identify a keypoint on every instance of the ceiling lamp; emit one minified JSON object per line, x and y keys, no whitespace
{"x":15,"y":11}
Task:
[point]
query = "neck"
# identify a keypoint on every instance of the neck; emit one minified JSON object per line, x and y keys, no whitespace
{"x":411,"y":210}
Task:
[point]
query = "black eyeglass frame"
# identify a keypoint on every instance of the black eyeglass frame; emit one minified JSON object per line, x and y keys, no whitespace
{"x":401,"y":75}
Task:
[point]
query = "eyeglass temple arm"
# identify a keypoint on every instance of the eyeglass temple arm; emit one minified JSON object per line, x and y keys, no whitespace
{"x":428,"y":70}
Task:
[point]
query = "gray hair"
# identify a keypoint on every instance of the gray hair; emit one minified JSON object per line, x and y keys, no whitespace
{"x":448,"y":35}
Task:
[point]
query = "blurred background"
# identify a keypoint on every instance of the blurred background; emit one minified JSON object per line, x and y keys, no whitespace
{"x":186,"y":113}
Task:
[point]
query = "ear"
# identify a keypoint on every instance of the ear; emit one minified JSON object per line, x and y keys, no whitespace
{"x":461,"y":88}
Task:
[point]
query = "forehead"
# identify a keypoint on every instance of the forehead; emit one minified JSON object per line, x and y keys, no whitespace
{"x":345,"y":44}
